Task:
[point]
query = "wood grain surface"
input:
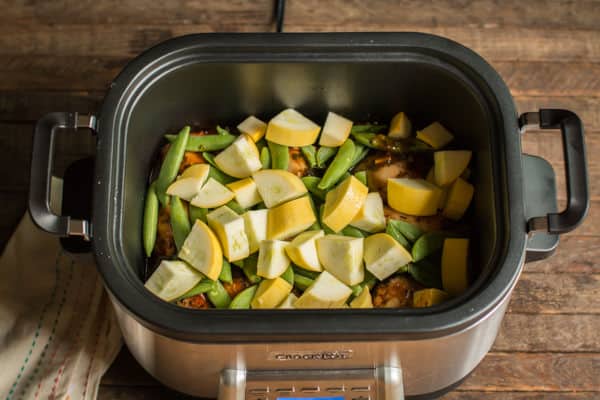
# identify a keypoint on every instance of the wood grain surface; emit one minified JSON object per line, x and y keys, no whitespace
{"x":62,"y":55}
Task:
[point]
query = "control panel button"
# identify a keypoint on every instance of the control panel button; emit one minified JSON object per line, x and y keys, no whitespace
{"x":361,"y":389}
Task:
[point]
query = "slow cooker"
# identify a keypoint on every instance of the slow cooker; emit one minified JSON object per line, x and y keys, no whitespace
{"x":315,"y":354}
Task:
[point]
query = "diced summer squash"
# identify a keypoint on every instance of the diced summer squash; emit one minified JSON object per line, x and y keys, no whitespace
{"x":241,"y":159}
{"x":455,"y":254}
{"x":429,"y":297}
{"x":270,"y":293}
{"x":384,"y":256}
{"x":289,"y":301}
{"x":363,"y":300}
{"x":202,"y":250}
{"x":342,"y":256}
{"x":326,"y":292}
{"x":272,"y":259}
{"x":335,"y":131}
{"x":435,"y":135}
{"x":231,"y":232}
{"x":277,"y":186}
{"x":253,"y":127}
{"x":213,"y":194}
{"x":246,"y":192}
{"x":449,"y":165}
{"x":400,"y":127}
{"x":196,"y":171}
{"x":458,"y":199}
{"x":255,"y":225}
{"x":370,"y":218}
{"x":303,"y":250}
{"x":289,"y":219}
{"x":186,"y":188}
{"x":413,"y":196}
{"x":290,"y":128}
{"x":172,"y":279}
{"x":343,"y":203}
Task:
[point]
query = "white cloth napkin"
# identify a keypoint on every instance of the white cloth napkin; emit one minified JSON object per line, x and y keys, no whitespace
{"x":58,"y":333}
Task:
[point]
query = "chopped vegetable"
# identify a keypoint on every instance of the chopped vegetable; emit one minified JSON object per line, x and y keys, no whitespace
{"x":303,"y":250}
{"x":429,"y":297}
{"x":179,"y":221}
{"x":225,"y":275}
{"x":427,"y":244}
{"x":241,"y":159}
{"x":435,"y":135}
{"x":342,"y":256}
{"x":272,"y":259}
{"x":449,"y":165}
{"x":384,"y":255}
{"x":339,"y":166}
{"x":454,"y":265}
{"x":335,"y":131}
{"x":324,"y":154}
{"x":201,"y":249}
{"x":206,"y":142}
{"x":363,"y":300}
{"x":310,"y":153}
{"x":213,"y":194}
{"x":246,"y":192}
{"x":172,"y":279}
{"x":280,"y":156}
{"x":265,"y":157}
{"x":343,"y":203}
{"x":458,"y":199}
{"x":413,"y":196}
{"x":290,"y":128}
{"x":277,"y":186}
{"x":243,"y":299}
{"x":400,"y":127}
{"x":170,"y":165}
{"x":150,"y":219}
{"x":253,"y":127}
{"x":218,"y":296}
{"x":289,"y":219}
{"x":370,"y":217}
{"x":270,"y":293}
{"x":325,"y":292}
{"x":229,"y":228}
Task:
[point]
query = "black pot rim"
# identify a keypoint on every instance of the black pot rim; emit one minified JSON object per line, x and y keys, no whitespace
{"x":257,"y":325}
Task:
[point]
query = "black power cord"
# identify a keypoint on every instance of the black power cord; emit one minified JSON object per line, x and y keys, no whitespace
{"x":279,"y":14}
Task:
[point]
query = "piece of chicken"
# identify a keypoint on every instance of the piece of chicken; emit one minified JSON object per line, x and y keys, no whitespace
{"x":165,"y":244}
{"x":426,"y":224}
{"x":395,"y":292}
{"x":237,"y":284}
{"x":198,"y":302}
{"x":297,"y":164}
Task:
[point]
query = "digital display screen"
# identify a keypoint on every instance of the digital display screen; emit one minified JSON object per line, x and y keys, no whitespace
{"x":312,"y":398}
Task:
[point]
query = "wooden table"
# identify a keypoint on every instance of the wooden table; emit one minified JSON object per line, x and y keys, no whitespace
{"x":61,"y":56}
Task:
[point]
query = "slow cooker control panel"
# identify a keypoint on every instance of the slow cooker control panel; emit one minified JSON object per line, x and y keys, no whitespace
{"x":384,"y":383}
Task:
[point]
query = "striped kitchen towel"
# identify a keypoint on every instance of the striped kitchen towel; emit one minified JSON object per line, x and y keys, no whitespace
{"x":58,"y":333}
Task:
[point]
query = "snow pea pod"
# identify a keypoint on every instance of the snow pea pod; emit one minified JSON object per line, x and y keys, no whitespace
{"x":243,"y":299}
{"x":339,"y":166}
{"x":197,"y":213}
{"x":171,"y":163}
{"x":180,"y":221}
{"x":312,"y":183}
{"x":302,"y":282}
{"x":360,"y":152}
{"x":206,"y":142}
{"x":265,"y":158}
{"x":203,"y":286}
{"x":219,"y":175}
{"x":362,"y":177}
{"x":304,"y":272}
{"x":250,"y":268}
{"x":394,"y":232}
{"x":352,"y":231}
{"x":288,"y":275}
{"x":225,"y":275}
{"x":310,"y":154}
{"x":427,"y":244}
{"x":280,"y":156}
{"x":235,"y":206}
{"x":150,"y":219}
{"x":218,"y":296}
{"x":374,"y":128}
{"x":324,"y":154}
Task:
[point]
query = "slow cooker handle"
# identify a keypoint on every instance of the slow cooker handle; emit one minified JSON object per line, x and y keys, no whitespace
{"x":41,"y":172}
{"x":578,"y":199}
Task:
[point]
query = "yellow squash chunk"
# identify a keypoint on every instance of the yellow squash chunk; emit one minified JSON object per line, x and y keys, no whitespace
{"x":370,"y":218}
{"x":255,"y":225}
{"x":272,"y":260}
{"x":449,"y":164}
{"x":326,"y":292}
{"x":400,"y":127}
{"x":172,"y":279}
{"x":458,"y":199}
{"x":271,"y":293}
{"x":289,"y":219}
{"x":186,"y":188}
{"x":196,"y":171}
{"x":455,"y":254}
{"x":435,"y":135}
{"x":429,"y":297}
{"x":384,"y":255}
{"x":342,"y":256}
{"x":213,"y":194}
{"x":202,"y":250}
{"x":290,"y":128}
{"x":289,"y":301}
{"x":303,"y":250}
{"x":431,"y":179}
{"x":363,"y":300}
{"x":253,"y":127}
{"x":335,"y":131}
{"x":277,"y":186}
{"x":246,"y":192}
{"x":413,"y":196}
{"x":240,"y":159}
{"x":231,"y":232}
{"x":343,"y":203}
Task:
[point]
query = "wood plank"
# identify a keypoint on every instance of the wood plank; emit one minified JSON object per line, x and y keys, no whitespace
{"x":462,"y":394}
{"x":549,"y":333}
{"x":90,"y":73}
{"x":497,"y":44}
{"x":20,"y":106}
{"x":552,"y":293}
{"x":575,"y":254}
{"x":536,"y":372}
{"x":310,"y":14}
